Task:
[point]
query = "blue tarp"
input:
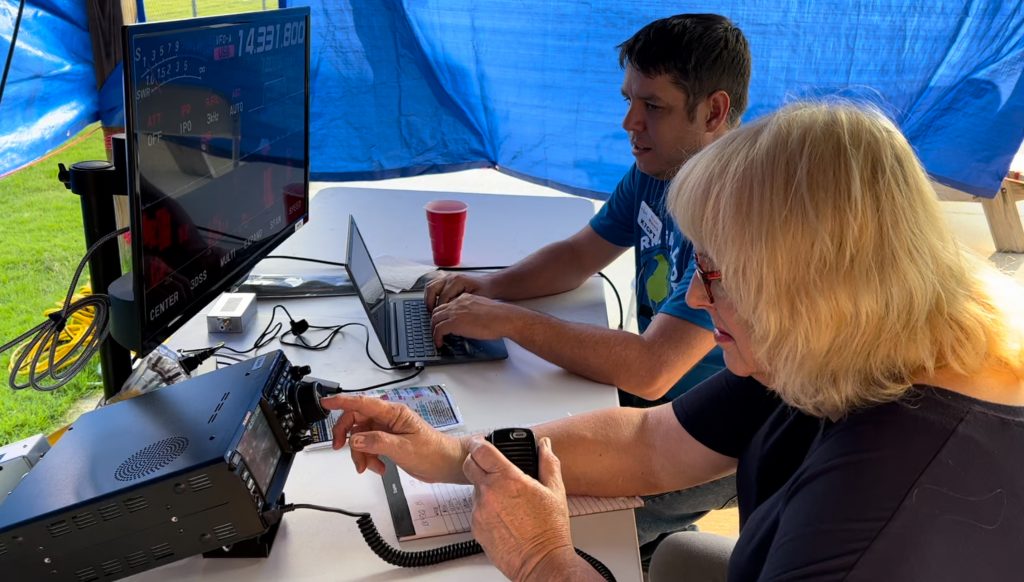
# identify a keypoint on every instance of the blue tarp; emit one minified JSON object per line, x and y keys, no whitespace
{"x":401,"y":88}
{"x":51,"y":88}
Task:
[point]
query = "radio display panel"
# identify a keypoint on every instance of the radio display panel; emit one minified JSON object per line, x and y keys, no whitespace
{"x":218,"y":156}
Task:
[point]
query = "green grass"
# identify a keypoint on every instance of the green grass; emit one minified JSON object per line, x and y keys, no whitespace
{"x":174,"y":9}
{"x":41,"y":244}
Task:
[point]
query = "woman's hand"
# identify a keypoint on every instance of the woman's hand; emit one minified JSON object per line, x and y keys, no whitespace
{"x":374,"y":427}
{"x":522,"y":523}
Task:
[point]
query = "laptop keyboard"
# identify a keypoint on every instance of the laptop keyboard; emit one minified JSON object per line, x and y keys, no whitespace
{"x":419,"y":337}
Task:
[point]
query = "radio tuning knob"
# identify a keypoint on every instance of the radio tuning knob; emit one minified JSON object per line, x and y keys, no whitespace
{"x":299,"y":372}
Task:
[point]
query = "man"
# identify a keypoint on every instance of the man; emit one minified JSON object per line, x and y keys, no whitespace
{"x":685,"y":84}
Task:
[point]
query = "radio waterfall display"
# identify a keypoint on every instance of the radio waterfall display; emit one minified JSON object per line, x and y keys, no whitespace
{"x":217,"y":127}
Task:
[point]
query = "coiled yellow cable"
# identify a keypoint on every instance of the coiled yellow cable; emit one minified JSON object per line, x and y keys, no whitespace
{"x":76,"y":330}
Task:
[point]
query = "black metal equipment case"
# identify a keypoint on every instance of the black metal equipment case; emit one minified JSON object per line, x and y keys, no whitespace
{"x":186,"y":469}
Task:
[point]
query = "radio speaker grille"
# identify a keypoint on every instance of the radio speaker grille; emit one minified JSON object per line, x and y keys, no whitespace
{"x":151,"y":459}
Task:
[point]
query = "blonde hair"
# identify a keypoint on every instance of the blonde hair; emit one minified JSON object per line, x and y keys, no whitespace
{"x":834,"y":252}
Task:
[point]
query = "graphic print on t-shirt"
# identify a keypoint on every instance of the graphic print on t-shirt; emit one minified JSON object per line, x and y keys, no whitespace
{"x":658,"y":253}
{"x":656,"y":266}
{"x":657,"y":283}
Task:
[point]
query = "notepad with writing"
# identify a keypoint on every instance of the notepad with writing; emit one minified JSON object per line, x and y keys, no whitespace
{"x":423,"y":510}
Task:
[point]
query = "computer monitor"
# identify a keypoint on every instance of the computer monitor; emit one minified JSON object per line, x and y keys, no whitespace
{"x":217,"y":118}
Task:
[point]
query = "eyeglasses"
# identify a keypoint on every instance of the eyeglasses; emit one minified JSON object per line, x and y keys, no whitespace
{"x":706,"y":276}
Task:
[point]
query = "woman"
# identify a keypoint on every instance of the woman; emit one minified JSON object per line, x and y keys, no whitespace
{"x":833,"y":279}
{"x":874,"y":398}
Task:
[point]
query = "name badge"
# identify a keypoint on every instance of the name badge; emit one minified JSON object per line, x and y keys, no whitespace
{"x":649,"y":222}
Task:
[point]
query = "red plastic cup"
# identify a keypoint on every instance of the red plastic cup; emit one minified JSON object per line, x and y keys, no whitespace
{"x":446,"y":221}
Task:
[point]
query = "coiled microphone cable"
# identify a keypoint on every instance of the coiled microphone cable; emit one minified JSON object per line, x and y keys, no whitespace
{"x":404,"y":559}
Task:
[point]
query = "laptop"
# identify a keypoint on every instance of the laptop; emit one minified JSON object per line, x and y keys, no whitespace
{"x":402,"y":324}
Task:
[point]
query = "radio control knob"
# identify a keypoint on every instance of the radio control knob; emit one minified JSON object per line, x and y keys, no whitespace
{"x":299,"y":372}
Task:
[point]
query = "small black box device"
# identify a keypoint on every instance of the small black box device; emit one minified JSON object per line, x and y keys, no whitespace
{"x":190,"y":468}
{"x":519,"y":446}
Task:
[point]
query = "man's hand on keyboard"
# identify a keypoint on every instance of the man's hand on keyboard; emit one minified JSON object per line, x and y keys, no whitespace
{"x":451,"y":285}
{"x":374,"y":428}
{"x":474,"y":317}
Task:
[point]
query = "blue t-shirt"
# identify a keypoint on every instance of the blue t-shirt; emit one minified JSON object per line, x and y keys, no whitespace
{"x":635,"y":215}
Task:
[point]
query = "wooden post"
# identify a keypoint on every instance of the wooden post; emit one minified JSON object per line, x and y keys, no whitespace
{"x":1004,"y":218}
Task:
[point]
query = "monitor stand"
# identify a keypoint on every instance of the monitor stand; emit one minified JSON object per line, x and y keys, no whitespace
{"x":96,"y":183}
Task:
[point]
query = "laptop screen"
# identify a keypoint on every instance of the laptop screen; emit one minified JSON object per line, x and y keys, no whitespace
{"x":367,"y":282}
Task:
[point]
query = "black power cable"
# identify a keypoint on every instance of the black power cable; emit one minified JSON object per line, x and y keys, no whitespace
{"x":45,"y":337}
{"x":618,"y":299}
{"x":419,"y":370}
{"x":404,"y":559}
{"x":270,"y":332}
{"x":326,"y":342}
{"x":306,"y":259}
{"x":191,"y":358}
{"x":10,"y":51}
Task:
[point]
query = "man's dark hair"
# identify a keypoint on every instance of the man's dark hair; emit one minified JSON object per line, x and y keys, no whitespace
{"x":702,"y":53}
